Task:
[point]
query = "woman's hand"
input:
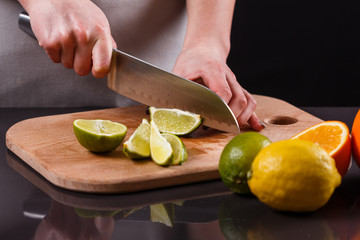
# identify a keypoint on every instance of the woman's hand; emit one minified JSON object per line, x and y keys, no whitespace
{"x":74,"y":33}
{"x":204,"y":54}
{"x":203,"y":65}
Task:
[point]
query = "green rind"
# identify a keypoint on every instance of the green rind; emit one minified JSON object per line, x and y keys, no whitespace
{"x":237,"y":157}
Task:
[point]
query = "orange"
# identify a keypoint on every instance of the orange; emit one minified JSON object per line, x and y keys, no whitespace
{"x":334,"y":137}
{"x":355,"y":138}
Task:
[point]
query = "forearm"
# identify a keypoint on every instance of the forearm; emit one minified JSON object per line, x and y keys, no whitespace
{"x":209,"y":24}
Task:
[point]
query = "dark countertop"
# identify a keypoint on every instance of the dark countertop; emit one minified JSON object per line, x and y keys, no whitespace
{"x":31,"y":207}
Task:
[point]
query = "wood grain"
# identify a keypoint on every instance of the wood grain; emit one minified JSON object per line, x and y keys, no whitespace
{"x":49,"y":146}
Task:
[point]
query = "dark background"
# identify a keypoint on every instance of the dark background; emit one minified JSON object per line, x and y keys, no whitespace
{"x":304,"y":52}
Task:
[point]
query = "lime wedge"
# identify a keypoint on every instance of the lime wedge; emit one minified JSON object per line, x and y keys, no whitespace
{"x":162,"y":213}
{"x":178,"y":147}
{"x":99,"y":135}
{"x":87,"y":213}
{"x":175,"y":121}
{"x":160,"y":148}
{"x":138,"y":145}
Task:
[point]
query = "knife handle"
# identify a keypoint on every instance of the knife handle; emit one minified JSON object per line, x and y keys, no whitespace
{"x":24,"y":24}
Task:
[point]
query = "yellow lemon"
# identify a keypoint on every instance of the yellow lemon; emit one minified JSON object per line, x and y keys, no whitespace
{"x":294,"y":175}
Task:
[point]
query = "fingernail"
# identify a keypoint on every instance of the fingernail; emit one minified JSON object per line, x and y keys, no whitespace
{"x":262,"y":124}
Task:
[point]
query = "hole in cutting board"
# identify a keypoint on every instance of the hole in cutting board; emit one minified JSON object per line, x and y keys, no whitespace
{"x":281,"y":120}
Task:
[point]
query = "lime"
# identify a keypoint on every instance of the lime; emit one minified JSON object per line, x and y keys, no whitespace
{"x":178,"y":147}
{"x":138,"y":145}
{"x":162,"y":213}
{"x":87,"y":213}
{"x":175,"y":121}
{"x":160,"y":148}
{"x":294,"y":175}
{"x":237,"y":157}
{"x":99,"y":135}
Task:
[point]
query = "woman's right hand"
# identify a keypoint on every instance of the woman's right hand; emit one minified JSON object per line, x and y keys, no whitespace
{"x":74,"y":33}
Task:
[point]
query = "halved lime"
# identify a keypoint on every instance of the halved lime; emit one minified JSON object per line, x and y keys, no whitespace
{"x":160,"y":148}
{"x":178,"y":147}
{"x":175,"y":121}
{"x":99,"y":135}
{"x":138,"y":145}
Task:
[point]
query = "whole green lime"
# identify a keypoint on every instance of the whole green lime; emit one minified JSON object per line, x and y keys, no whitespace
{"x":237,"y":157}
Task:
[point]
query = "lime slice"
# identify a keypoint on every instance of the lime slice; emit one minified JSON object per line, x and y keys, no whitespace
{"x":138,"y":145}
{"x":160,"y":148}
{"x":99,"y":135}
{"x":178,"y":147}
{"x":162,"y":213}
{"x":175,"y":121}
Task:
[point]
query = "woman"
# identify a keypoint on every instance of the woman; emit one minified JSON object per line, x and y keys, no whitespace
{"x":81,"y":34}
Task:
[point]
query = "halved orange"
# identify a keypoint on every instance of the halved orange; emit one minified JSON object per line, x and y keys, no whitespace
{"x":355,"y":138}
{"x":334,"y":137}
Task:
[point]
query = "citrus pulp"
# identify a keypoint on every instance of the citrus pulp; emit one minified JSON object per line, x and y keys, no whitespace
{"x":160,"y":148}
{"x":178,"y":147}
{"x":175,"y":121}
{"x":138,"y":145}
{"x":334,"y":137}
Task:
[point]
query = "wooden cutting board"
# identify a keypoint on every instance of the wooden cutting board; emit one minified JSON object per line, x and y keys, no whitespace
{"x":50,"y":147}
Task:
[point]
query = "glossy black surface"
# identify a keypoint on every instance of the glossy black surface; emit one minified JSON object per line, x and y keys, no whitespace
{"x":31,"y":207}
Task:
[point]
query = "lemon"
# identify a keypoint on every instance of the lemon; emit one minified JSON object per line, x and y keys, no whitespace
{"x":160,"y":148}
{"x":294,"y":175}
{"x":237,"y":157}
{"x":178,"y":147}
{"x":175,"y":121}
{"x":99,"y":135}
{"x":138,"y":145}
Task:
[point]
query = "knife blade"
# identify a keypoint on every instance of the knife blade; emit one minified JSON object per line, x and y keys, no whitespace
{"x":153,"y":86}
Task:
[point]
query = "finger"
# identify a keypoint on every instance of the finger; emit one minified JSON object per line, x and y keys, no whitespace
{"x":255,"y":122}
{"x":238,"y":101}
{"x":114,"y":45}
{"x":101,"y":56}
{"x":82,"y":59}
{"x":52,"y":49}
{"x":216,"y":81}
{"x":249,"y":109}
{"x":68,"y":51}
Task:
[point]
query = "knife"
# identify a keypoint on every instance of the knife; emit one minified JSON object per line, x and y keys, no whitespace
{"x":153,"y":86}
